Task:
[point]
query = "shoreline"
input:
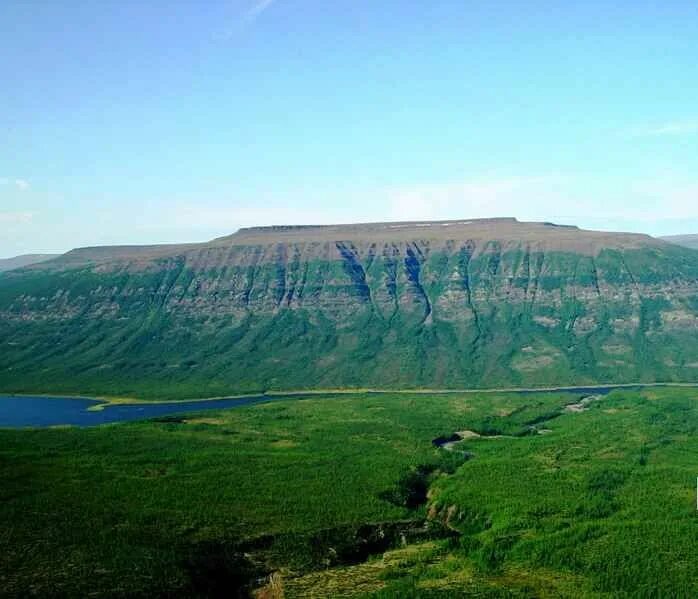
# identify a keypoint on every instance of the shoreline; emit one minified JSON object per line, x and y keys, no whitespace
{"x":103,"y":401}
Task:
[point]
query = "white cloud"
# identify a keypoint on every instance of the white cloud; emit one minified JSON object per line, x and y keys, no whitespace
{"x":664,"y":199}
{"x":243,"y":19}
{"x":524,"y":197}
{"x":527,"y":198}
{"x":671,"y":128}
{"x":258,"y":8}
{"x":665,"y":202}
{"x":196,"y":217}
{"x":21,"y":184}
{"x":570,"y":200}
{"x":16,"y":218}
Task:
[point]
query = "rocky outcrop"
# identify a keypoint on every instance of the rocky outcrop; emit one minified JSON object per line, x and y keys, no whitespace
{"x":452,"y":304}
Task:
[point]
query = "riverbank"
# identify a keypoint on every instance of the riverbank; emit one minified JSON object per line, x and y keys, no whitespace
{"x":106,"y":400}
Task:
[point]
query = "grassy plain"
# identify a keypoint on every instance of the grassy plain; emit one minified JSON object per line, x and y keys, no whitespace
{"x":347,"y":496}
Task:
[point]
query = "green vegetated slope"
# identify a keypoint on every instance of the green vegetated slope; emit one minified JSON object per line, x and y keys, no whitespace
{"x":481,"y":304}
{"x":348,"y":497}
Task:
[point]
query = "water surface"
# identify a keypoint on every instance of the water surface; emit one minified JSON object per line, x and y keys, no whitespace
{"x":41,"y":411}
{"x":26,"y":411}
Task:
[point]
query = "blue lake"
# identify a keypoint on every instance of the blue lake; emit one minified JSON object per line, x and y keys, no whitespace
{"x":39,"y":411}
{"x":51,"y":411}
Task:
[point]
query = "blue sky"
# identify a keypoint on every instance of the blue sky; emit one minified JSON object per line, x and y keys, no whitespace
{"x":151,"y":122}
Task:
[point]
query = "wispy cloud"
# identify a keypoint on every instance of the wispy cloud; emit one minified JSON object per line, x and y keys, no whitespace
{"x":243,"y":19}
{"x":16,"y":218}
{"x":525,"y":197}
{"x":21,"y":184}
{"x":668,"y":129}
{"x":664,"y":198}
{"x":257,"y":9}
{"x":545,"y":197}
{"x":194,"y":217}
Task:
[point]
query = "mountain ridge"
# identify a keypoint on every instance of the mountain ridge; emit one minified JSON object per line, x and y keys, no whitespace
{"x":544,"y":235}
{"x":688,"y":240}
{"x":460,"y":304}
{"x":24,"y":260}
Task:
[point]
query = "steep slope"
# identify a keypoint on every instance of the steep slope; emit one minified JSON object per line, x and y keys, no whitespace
{"x":480,"y":303}
{"x":689,"y":241}
{"x":24,"y":260}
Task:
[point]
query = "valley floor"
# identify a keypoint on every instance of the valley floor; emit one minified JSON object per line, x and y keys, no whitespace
{"x":363,"y":495}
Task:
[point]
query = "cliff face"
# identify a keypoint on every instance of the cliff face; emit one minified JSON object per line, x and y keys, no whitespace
{"x":456,"y":304}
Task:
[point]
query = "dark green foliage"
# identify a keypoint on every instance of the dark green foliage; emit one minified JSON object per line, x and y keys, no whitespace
{"x":578,"y":499}
{"x":201,"y":504}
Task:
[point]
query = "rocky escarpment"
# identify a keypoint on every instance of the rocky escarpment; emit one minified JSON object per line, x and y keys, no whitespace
{"x":449,"y":304}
